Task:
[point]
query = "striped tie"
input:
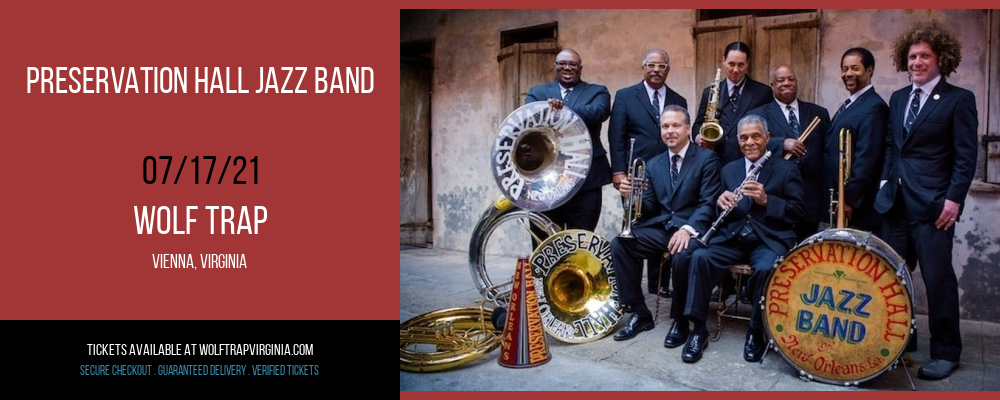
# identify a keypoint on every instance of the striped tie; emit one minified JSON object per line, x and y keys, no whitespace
{"x":911,"y":116}
{"x":673,"y":169}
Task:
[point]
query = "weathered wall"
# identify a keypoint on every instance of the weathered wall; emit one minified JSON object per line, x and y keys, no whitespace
{"x":466,"y":90}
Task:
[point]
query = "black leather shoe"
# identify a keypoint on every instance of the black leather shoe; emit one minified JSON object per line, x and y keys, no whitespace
{"x":936,"y":369}
{"x":696,"y":344}
{"x":753,"y":350}
{"x":665,"y":293}
{"x":677,"y":335}
{"x":635,"y":325}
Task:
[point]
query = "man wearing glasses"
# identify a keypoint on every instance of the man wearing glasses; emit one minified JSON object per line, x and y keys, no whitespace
{"x":636,"y":114}
{"x":592,"y":103}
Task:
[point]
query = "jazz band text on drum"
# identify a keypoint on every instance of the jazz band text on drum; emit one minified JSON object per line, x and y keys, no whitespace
{"x":864,"y":264}
{"x":149,"y":166}
{"x":160,"y":217}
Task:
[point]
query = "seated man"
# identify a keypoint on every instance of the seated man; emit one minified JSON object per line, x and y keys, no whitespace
{"x":682,"y":184}
{"x":757,"y":231}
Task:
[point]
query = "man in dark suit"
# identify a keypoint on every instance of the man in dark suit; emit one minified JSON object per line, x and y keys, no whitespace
{"x":757,"y":231}
{"x":636,"y":114}
{"x":930,"y":160}
{"x":866,"y":115}
{"x":738,"y":94}
{"x":683,"y":182}
{"x":592,"y":103}
{"x":788,"y":117}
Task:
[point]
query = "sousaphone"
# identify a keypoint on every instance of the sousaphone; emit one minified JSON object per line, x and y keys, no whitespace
{"x":540,"y":159}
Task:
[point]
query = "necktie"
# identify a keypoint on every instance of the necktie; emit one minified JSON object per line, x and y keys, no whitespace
{"x":673,"y":169}
{"x":842,"y":108}
{"x":911,"y":116}
{"x":735,"y":97}
{"x":656,"y":102}
{"x":793,"y":121}
{"x":566,"y":93}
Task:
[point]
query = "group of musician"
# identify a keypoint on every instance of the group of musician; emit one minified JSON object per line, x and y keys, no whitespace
{"x":765,"y":184}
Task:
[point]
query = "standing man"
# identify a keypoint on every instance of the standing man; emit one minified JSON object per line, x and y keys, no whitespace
{"x":592,"y":103}
{"x":738,"y":94}
{"x":788,"y":117}
{"x":683,"y":182}
{"x":929,"y":164}
{"x":756,"y":231}
{"x":636,"y":114}
{"x":866,"y":115}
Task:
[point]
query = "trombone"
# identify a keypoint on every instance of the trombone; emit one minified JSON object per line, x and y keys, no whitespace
{"x":838,"y":217}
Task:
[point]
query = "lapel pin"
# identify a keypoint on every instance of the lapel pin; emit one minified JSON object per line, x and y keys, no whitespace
{"x":937,"y":97}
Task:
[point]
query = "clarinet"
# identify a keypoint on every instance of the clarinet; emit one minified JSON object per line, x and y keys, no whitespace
{"x":751,"y":175}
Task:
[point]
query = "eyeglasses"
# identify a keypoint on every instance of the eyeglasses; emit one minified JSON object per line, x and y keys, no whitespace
{"x":657,"y":66}
{"x":564,"y":64}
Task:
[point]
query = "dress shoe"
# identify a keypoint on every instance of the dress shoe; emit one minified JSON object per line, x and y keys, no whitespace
{"x":696,"y":344}
{"x":635,"y":325}
{"x":677,"y":335}
{"x":936,"y":369}
{"x":665,"y":293}
{"x":753,"y":350}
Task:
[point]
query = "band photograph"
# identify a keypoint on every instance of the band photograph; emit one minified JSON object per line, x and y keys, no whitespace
{"x":725,"y":200}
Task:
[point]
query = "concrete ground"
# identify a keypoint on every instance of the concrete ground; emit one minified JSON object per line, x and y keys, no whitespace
{"x":431,"y":279}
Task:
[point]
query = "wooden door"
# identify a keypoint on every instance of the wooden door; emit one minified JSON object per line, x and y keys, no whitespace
{"x":415,"y":226}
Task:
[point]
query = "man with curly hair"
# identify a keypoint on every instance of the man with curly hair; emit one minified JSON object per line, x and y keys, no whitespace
{"x":930,"y":160}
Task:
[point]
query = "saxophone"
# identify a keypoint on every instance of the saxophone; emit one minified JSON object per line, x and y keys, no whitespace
{"x":710,"y":130}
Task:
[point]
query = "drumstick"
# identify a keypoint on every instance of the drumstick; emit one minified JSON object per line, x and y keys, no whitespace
{"x":809,"y":129}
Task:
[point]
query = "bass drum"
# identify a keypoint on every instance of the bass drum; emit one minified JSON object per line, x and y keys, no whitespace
{"x":839,"y":308}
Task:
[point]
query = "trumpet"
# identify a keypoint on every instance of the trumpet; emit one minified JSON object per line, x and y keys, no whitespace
{"x":710,"y":130}
{"x":751,"y":176}
{"x":637,"y":181}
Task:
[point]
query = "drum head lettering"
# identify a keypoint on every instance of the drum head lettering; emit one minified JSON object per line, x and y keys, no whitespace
{"x":839,"y":308}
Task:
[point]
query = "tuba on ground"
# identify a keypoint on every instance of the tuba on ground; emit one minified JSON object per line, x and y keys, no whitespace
{"x":540,"y":159}
{"x":710,"y":130}
{"x":445,"y":339}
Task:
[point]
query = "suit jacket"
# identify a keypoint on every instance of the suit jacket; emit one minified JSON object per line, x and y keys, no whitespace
{"x":773,"y":223}
{"x":867,"y":118}
{"x":755,"y":94}
{"x":811,"y":165}
{"x":692,"y":201}
{"x":593,"y":104}
{"x":633,"y":116}
{"x":937,"y":159}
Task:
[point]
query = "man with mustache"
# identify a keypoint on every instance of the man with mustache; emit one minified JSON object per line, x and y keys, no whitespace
{"x":866,"y":115}
{"x":591,"y":103}
{"x":930,"y":160}
{"x":788,"y":117}
{"x":636,"y":114}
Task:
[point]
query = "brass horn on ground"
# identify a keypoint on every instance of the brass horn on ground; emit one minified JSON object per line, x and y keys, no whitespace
{"x":445,"y":339}
{"x":540,"y":159}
